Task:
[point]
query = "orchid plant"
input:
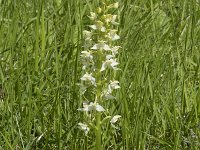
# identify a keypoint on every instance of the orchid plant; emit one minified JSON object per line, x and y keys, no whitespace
{"x":99,"y":62}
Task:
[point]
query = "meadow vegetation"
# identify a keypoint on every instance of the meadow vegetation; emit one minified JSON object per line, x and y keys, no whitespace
{"x":159,"y":95}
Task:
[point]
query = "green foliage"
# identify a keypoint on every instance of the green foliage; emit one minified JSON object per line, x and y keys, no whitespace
{"x":159,"y":99}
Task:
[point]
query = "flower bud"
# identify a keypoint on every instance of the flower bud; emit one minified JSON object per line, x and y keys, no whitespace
{"x":92,"y":16}
{"x":116,"y":5}
{"x":99,"y":10}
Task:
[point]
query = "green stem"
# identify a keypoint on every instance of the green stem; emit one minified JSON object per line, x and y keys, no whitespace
{"x":98,"y":117}
{"x":98,"y":145}
{"x":98,"y":132}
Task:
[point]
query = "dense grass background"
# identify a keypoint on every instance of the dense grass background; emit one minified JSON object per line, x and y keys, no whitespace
{"x":159,"y":99}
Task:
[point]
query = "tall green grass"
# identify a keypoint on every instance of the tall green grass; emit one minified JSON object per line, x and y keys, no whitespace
{"x":159,"y":99}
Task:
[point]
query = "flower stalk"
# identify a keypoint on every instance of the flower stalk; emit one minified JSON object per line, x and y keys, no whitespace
{"x":99,"y":62}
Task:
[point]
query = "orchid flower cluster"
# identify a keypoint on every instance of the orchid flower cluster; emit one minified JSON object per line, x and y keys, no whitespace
{"x":99,"y":62}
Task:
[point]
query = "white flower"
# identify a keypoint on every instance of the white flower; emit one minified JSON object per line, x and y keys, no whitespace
{"x":101,"y":45}
{"x":99,"y":107}
{"x":84,"y":127}
{"x":92,"y":106}
{"x":98,"y":26}
{"x":109,"y":63}
{"x":88,"y":77}
{"x":87,"y":35}
{"x":112,"y":35}
{"x":113,"y":86}
{"x":115,"y":119}
{"x":115,"y":49}
{"x":109,"y":96}
{"x":86,"y":55}
{"x":92,"y":16}
{"x":108,"y":18}
{"x":113,"y":20}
